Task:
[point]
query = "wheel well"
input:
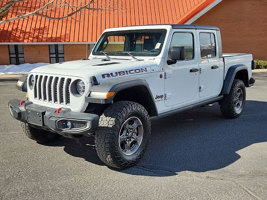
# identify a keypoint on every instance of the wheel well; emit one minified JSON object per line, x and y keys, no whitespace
{"x":138,"y":94}
{"x":243,"y":75}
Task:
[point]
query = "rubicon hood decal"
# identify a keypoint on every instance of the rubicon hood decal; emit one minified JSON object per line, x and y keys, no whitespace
{"x":124,"y":73}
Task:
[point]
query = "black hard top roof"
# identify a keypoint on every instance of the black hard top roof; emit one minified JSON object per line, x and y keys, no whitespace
{"x":189,"y":26}
{"x":180,"y":26}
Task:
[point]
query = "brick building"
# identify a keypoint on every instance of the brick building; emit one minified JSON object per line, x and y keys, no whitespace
{"x":38,"y":39}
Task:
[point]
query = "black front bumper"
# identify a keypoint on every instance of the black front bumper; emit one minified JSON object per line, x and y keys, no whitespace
{"x":62,"y":121}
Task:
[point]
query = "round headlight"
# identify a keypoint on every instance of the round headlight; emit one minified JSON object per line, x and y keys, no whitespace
{"x":80,"y":87}
{"x":31,"y":81}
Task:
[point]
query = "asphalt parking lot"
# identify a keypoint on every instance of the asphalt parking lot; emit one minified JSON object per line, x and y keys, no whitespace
{"x":196,"y":154}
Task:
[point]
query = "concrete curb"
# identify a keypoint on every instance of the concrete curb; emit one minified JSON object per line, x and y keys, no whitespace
{"x":259,"y":71}
{"x":10,"y":77}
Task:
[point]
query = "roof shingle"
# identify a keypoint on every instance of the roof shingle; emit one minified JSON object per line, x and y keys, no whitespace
{"x":87,"y":25}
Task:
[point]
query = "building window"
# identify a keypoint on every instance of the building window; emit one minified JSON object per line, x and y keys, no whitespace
{"x":56,"y":53}
{"x":185,"y":42}
{"x":16,"y":54}
{"x":207,"y":45}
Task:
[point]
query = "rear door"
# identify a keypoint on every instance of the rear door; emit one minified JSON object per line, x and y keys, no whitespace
{"x":211,"y":65}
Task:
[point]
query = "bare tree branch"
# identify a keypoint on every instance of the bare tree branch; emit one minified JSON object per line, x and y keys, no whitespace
{"x":26,"y":15}
{"x":5,"y":9}
{"x":44,"y":10}
{"x":69,"y":14}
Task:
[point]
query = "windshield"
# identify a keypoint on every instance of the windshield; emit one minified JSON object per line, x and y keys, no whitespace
{"x":131,"y":42}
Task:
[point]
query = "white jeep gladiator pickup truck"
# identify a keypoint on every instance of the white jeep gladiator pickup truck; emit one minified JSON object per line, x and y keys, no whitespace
{"x":132,"y":75}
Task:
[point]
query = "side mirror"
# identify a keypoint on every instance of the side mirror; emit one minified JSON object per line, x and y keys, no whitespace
{"x":176,"y":53}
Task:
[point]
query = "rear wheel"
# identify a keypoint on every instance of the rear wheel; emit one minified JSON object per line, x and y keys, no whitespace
{"x":39,"y":135}
{"x":123,"y":134}
{"x":232,"y":105}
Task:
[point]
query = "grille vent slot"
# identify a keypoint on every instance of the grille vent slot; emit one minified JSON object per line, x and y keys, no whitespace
{"x":52,"y":89}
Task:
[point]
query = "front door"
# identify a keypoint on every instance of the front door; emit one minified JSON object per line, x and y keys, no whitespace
{"x":182,"y":78}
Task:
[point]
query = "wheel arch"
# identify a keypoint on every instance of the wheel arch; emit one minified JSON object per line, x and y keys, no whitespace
{"x":235,"y":72}
{"x":136,"y":90}
{"x":139,"y":94}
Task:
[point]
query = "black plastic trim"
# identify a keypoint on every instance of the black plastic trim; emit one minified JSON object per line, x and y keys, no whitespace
{"x":212,"y":100}
{"x":23,"y":79}
{"x":228,"y":81}
{"x":117,"y":86}
{"x":50,"y":117}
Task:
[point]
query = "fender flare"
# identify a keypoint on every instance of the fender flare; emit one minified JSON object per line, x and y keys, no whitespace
{"x":22,"y":83}
{"x":230,"y":76}
{"x":117,"y":86}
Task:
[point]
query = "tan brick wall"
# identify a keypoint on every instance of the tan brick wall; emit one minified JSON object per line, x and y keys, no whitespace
{"x":36,"y":53}
{"x":243,"y":25}
{"x":4,"y":55}
{"x":76,"y":51}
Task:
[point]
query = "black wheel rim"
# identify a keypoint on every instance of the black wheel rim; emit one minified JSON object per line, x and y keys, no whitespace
{"x":238,"y":100}
{"x":131,"y":136}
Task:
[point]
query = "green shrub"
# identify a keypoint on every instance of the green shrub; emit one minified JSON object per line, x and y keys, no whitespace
{"x":261,"y":64}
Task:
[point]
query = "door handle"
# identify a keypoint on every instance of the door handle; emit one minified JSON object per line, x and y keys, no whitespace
{"x":214,"y":67}
{"x":194,"y":70}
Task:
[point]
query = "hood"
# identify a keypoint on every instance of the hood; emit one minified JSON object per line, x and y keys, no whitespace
{"x":98,"y":68}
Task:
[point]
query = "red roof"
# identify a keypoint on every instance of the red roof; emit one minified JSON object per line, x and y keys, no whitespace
{"x":87,"y":25}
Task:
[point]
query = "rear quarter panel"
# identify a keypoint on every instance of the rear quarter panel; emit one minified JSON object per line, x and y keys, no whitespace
{"x":231,"y":59}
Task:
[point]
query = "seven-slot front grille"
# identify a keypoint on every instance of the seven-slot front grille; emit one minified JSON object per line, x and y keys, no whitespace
{"x":52,"y":89}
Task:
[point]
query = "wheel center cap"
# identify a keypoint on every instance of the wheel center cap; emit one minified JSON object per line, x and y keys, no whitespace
{"x":130,"y":132}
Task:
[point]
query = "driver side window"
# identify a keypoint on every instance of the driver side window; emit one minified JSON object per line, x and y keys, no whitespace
{"x":185,"y":42}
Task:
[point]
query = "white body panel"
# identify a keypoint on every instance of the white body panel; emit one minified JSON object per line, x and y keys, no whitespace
{"x":211,"y":74}
{"x":231,"y":59}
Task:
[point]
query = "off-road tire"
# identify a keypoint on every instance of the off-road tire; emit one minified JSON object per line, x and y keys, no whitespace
{"x":39,"y":135}
{"x":107,"y":136}
{"x":232,"y":105}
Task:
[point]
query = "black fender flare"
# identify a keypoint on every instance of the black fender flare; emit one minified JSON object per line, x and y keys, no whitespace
{"x":117,"y":86}
{"x":22,"y":83}
{"x":230,"y":76}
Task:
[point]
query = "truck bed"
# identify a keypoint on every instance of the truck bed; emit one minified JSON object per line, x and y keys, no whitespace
{"x":231,"y":59}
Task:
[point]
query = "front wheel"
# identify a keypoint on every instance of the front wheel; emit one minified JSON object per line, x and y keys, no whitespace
{"x":39,"y":135}
{"x":123,"y":134}
{"x":232,"y":105}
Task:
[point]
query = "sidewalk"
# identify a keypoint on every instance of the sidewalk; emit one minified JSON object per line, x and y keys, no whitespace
{"x":15,"y":77}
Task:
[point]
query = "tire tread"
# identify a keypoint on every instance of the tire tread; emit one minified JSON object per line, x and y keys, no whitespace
{"x":105,"y":138}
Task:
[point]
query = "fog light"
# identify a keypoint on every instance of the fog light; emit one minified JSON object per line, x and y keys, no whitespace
{"x":69,"y":124}
{"x":72,"y":125}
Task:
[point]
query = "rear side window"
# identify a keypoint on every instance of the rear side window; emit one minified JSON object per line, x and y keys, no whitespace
{"x":185,"y":41}
{"x":207,"y":45}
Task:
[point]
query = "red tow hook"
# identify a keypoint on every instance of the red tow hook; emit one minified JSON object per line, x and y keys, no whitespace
{"x":58,"y":110}
{"x":21,"y":102}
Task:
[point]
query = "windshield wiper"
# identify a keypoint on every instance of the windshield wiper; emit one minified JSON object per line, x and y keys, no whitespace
{"x":130,"y":54}
{"x":107,"y":57}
